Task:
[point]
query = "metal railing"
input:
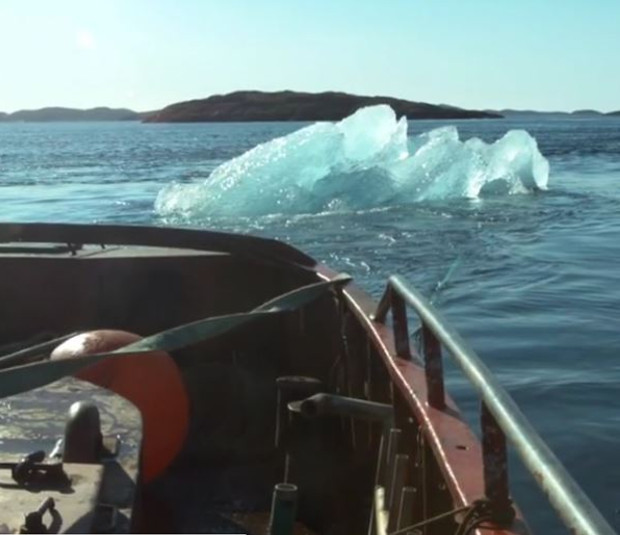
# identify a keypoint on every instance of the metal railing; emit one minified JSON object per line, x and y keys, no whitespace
{"x":500,"y":417}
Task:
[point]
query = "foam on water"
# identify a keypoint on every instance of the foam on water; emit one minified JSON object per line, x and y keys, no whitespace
{"x":363,"y":161}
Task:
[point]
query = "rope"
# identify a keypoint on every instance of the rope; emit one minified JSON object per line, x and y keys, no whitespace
{"x":441,"y":283}
{"x":434,"y":293}
{"x":477,"y":513}
{"x":430,"y":520}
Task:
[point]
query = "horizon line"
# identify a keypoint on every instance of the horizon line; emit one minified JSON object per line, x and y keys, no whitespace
{"x":505,"y":109}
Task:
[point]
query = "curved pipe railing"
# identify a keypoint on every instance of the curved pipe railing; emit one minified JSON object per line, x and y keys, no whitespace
{"x":501,"y":418}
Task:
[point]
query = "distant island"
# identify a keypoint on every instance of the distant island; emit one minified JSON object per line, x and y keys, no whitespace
{"x":242,"y":106}
{"x":72,"y":114}
{"x":555,"y":114}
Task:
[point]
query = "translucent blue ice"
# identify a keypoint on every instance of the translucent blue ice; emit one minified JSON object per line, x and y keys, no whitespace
{"x":363,"y":161}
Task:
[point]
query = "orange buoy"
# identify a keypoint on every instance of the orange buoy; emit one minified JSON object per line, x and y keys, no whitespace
{"x":152,"y":382}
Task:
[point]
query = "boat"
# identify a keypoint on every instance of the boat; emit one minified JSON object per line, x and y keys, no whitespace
{"x":187,"y":381}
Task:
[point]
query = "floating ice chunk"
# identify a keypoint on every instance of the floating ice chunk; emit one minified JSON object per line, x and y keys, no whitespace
{"x":363,"y":161}
{"x":372,"y":135}
{"x":515,"y":158}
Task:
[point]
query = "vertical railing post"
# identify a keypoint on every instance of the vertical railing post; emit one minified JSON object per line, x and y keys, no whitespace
{"x":495,"y":461}
{"x":401,"y":329}
{"x":384,"y":305}
{"x":431,"y":350}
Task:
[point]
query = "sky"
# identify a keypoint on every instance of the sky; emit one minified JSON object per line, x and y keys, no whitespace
{"x":145,"y":54}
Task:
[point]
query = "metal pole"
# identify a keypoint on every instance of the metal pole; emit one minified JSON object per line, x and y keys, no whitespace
{"x":283,"y":509}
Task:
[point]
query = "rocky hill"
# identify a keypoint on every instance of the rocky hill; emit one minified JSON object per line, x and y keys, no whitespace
{"x":294,"y":106}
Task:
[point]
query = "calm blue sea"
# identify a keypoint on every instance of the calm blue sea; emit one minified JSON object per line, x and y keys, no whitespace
{"x":531,"y":280}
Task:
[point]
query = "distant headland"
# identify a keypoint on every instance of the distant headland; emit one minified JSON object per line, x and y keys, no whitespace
{"x":71,"y":114}
{"x":242,"y":106}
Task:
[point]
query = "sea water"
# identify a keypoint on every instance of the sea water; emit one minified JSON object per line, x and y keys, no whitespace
{"x":526,"y":267}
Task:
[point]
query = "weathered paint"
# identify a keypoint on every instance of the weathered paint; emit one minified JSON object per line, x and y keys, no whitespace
{"x":455,"y":447}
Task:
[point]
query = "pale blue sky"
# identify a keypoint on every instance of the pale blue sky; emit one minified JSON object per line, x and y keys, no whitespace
{"x":144,"y":54}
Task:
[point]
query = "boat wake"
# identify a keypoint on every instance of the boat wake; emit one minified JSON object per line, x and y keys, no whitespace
{"x":364,"y":161}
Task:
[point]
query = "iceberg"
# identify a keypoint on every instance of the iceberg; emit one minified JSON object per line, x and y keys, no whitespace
{"x":364,"y":161}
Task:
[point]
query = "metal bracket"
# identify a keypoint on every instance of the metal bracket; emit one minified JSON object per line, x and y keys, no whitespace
{"x":34,"y":520}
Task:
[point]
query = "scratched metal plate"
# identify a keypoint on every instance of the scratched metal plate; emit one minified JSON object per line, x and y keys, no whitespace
{"x":35,"y":421}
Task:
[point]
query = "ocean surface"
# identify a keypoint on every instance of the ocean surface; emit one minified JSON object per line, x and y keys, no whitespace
{"x":531,"y":278}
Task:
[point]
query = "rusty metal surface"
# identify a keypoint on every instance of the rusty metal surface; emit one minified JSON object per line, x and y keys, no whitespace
{"x":264,"y":249}
{"x":464,"y":473}
{"x":434,"y":369}
{"x":454,"y":445}
{"x":331,"y":404}
{"x":401,"y":328}
{"x":35,"y":420}
{"x":257,"y":523}
{"x":140,"y":294}
{"x":569,"y":501}
{"x":495,"y":457}
{"x":74,"y":507}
